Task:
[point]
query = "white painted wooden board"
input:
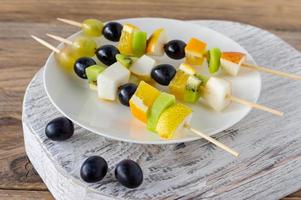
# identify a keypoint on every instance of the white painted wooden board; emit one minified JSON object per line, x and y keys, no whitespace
{"x":269,"y":166}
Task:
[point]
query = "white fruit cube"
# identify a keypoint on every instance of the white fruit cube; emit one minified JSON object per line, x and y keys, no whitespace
{"x":143,"y":66}
{"x":110,"y":79}
{"x":188,"y":69}
{"x":216,"y":92}
{"x":231,"y":62}
{"x":230,"y":67}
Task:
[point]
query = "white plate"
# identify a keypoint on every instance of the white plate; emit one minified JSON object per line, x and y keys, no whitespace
{"x":71,"y":96}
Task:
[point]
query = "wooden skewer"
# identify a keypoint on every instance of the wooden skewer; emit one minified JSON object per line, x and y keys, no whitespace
{"x":46,"y":44}
{"x":58,"y":38}
{"x":254,"y":105}
{"x":71,"y":22}
{"x":248,"y":103}
{"x":271,"y":71}
{"x":212,"y":140}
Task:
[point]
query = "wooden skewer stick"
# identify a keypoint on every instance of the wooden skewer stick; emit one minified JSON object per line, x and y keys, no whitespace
{"x":212,"y":140}
{"x":271,"y":71}
{"x":46,"y":44}
{"x":248,"y":103}
{"x":71,"y":22}
{"x":254,"y":105}
{"x":58,"y":38}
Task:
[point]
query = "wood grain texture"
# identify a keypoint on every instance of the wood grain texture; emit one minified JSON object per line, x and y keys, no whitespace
{"x":22,"y":57}
{"x":269,"y":166}
{"x":25,"y":195}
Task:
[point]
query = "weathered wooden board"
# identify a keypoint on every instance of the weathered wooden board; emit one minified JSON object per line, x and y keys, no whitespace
{"x":269,"y":166}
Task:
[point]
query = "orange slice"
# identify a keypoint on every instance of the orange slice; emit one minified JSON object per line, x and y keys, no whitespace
{"x":126,"y":39}
{"x":142,"y":100}
{"x":194,"y":51}
{"x":235,"y":57}
{"x":177,"y":86}
{"x":155,"y":44}
{"x":172,"y":120}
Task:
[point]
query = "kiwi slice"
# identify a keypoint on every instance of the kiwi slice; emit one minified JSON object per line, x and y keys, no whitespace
{"x":93,"y":71}
{"x":192,"y":94}
{"x":126,"y":61}
{"x":162,"y":102}
{"x":139,"y":43}
{"x":202,"y":78}
{"x":213,"y":59}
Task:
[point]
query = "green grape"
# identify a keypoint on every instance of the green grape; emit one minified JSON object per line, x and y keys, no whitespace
{"x":92,"y":27}
{"x":66,"y":58}
{"x":84,"y":46}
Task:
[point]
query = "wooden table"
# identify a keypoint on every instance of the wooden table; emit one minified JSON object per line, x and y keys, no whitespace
{"x":21,"y":57}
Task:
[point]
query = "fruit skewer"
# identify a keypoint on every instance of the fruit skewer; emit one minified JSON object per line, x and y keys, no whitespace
{"x":150,"y":71}
{"x":86,"y":47}
{"x":176,"y":49}
{"x":195,"y":52}
{"x":65,"y":57}
{"x":165,"y":123}
{"x":230,"y":62}
{"x":95,"y":28}
{"x":166,"y":117}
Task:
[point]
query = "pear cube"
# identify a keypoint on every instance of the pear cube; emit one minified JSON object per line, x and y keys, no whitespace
{"x":216,"y":92}
{"x":143,"y":66}
{"x":110,"y":79}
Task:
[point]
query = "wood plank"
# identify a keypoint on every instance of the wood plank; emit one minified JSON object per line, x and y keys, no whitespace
{"x":294,"y":196}
{"x":275,"y":14}
{"x":25,"y":195}
{"x":16,"y":172}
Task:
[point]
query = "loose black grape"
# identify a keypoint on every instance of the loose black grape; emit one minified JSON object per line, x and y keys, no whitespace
{"x":81,"y":64}
{"x":126,"y":92}
{"x":129,"y":173}
{"x":175,"y":49}
{"x":107,"y":54}
{"x":59,"y":129}
{"x":112,"y":31}
{"x":94,"y":169}
{"x":163,"y":73}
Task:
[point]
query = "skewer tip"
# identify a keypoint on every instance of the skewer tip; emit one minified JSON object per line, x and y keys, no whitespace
{"x":212,"y":140}
{"x":71,"y":22}
{"x":58,"y":38}
{"x":34,"y":37}
{"x":46,"y":44}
